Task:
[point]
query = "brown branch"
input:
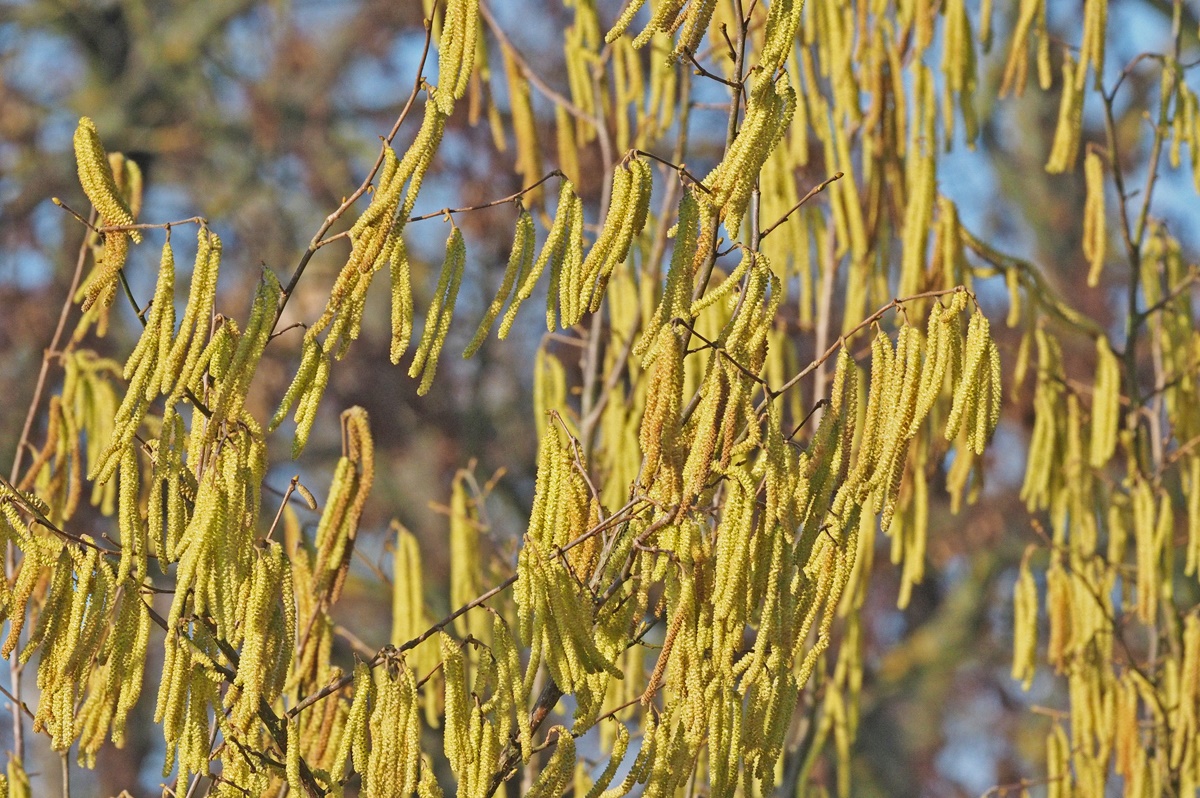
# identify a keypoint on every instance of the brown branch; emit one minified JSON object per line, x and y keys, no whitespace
{"x":332,"y":218}
{"x":704,"y":73}
{"x":812,"y":193}
{"x":681,"y":168}
{"x":88,"y":223}
{"x":720,"y":350}
{"x":862,"y":325}
{"x":121,"y":228}
{"x":510,"y":198}
{"x":47,"y":356}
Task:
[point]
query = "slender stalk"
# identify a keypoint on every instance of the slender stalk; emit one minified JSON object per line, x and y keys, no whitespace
{"x":332,"y":218}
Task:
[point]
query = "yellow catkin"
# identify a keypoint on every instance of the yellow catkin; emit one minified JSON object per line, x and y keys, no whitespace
{"x":1025,"y":623}
{"x":456,"y":739}
{"x":193,"y":330}
{"x":1191,"y":490}
{"x":96,"y":176}
{"x":624,"y":221}
{"x":552,"y":253}
{"x":465,"y":574}
{"x":456,"y":51}
{"x":520,"y":261}
{"x":1091,"y":51}
{"x":1106,"y":405}
{"x":402,"y":300}
{"x":557,"y":773}
{"x":1016,"y":68}
{"x":1095,"y":230}
{"x":529,"y":160}
{"x":566,"y":277}
{"x":437,"y":321}
{"x":622,"y":23}
{"x":1065,"y":147}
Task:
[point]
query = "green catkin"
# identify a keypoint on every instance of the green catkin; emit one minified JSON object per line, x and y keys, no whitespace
{"x":437,"y":321}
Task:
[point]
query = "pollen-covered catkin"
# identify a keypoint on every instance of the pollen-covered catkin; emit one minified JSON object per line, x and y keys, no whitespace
{"x":520,"y":261}
{"x":557,"y":773}
{"x":96,"y":176}
{"x":437,"y":321}
{"x":624,"y":222}
{"x":552,"y":254}
{"x":456,"y":51}
{"x":967,"y":393}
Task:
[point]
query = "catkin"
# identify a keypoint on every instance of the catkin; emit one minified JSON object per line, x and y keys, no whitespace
{"x":437,"y":321}
{"x":552,"y":253}
{"x":1065,"y":146}
{"x":456,"y":51}
{"x":96,"y":176}
{"x":624,"y":222}
{"x":520,"y":261}
{"x":1106,"y":404}
{"x":1095,"y":230}
{"x":1025,"y":624}
{"x":557,"y":773}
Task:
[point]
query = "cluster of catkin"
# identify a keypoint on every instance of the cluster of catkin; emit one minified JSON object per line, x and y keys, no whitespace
{"x":1116,"y":559}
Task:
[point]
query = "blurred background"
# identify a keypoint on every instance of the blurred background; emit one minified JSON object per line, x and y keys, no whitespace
{"x":261,"y":117}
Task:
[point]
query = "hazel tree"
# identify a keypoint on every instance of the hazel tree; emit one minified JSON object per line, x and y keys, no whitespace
{"x":772,"y":375}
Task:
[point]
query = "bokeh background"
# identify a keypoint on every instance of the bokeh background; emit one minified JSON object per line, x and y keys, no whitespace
{"x":262,"y":116}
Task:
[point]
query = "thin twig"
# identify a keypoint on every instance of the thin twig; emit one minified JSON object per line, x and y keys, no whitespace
{"x":332,"y":218}
{"x":681,"y":168}
{"x":812,"y":193}
{"x":516,"y":195}
{"x":862,"y":325}
{"x":121,"y":228}
{"x":530,"y":75}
